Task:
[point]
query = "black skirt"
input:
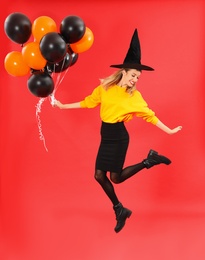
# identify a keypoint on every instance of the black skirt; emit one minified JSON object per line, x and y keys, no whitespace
{"x":113,"y":147}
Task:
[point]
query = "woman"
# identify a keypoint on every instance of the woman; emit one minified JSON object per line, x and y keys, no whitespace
{"x":120,"y":101}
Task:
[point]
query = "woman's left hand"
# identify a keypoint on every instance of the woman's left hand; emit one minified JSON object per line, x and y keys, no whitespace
{"x":166,"y":129}
{"x":175,"y":130}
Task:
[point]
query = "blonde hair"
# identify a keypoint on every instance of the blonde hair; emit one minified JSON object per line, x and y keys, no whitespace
{"x":114,"y":79}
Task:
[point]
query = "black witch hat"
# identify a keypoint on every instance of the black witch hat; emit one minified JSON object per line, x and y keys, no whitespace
{"x":133,"y":57}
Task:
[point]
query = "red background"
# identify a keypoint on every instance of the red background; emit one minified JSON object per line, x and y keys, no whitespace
{"x":51,"y":206}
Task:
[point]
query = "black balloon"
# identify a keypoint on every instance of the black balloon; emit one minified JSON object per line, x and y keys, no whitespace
{"x":72,"y":28}
{"x":74,"y":56}
{"x":17,"y":27}
{"x":60,"y":66}
{"x":53,"y":47}
{"x":40,"y":84}
{"x":68,"y":61}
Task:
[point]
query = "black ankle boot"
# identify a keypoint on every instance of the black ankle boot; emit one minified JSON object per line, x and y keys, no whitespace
{"x":121,"y":215}
{"x":154,"y":158}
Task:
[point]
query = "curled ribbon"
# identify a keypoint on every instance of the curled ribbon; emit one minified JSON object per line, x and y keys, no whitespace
{"x":38,"y":111}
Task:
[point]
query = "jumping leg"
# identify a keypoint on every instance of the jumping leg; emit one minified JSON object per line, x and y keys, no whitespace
{"x":102,"y":179}
{"x":121,"y":213}
{"x":152,"y":159}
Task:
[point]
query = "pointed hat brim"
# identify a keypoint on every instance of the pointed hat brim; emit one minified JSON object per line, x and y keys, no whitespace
{"x":132,"y":66}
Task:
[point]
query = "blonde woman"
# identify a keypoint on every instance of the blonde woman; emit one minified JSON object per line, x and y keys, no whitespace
{"x":119,"y":102}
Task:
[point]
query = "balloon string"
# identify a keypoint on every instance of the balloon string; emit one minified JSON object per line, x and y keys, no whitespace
{"x":59,"y":78}
{"x":38,"y":110}
{"x":63,"y":77}
{"x":39,"y":105}
{"x":58,"y":81}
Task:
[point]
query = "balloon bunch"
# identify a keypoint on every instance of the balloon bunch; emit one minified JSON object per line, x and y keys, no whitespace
{"x":51,"y":51}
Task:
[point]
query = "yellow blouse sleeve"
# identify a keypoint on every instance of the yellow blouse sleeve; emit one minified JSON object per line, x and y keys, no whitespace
{"x":145,"y":112}
{"x":92,"y":100}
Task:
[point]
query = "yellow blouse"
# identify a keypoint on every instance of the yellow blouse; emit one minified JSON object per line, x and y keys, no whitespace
{"x":117,"y":105}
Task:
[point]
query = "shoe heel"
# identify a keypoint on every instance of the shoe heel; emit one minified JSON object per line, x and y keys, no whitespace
{"x":152,"y":152}
{"x":129,"y":213}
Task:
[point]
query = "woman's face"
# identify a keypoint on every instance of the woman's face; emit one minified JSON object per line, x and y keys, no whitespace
{"x":130,"y":77}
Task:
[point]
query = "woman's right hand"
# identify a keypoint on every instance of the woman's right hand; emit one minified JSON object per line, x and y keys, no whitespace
{"x":58,"y":104}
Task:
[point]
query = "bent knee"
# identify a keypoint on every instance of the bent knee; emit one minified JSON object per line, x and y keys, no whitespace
{"x":115,"y":178}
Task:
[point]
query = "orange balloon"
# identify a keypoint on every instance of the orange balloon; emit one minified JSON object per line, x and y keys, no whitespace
{"x":84,"y":43}
{"x":15,"y":65}
{"x":32,"y":56}
{"x":41,"y":26}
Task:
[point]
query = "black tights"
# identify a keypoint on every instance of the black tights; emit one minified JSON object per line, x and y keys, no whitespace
{"x":102,"y":179}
